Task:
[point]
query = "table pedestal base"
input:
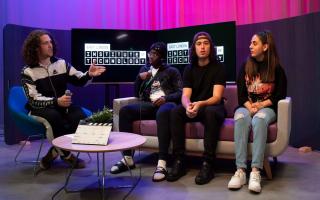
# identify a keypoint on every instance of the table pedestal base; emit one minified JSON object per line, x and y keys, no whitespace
{"x":101,"y":173}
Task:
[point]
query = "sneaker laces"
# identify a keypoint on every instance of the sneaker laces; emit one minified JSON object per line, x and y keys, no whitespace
{"x":255,"y":176}
{"x":238,"y":172}
{"x":160,"y":169}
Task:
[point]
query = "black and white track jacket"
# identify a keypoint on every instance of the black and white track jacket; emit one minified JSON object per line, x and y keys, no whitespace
{"x":44,"y":86}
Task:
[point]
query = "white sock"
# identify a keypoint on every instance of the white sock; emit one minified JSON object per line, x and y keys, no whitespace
{"x":162,"y":163}
{"x":160,"y":176}
{"x":129,"y":160}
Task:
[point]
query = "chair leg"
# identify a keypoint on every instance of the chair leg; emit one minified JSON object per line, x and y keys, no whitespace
{"x":267,"y":168}
{"x":34,"y":162}
{"x":37,"y":161}
{"x":20,"y":149}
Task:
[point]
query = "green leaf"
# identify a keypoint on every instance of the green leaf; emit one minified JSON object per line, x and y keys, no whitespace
{"x":104,"y":116}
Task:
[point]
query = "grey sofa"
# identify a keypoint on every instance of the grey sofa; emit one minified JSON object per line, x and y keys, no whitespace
{"x":277,"y":141}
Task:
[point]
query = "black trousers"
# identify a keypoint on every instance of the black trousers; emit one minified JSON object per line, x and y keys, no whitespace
{"x":62,"y":121}
{"x":147,"y":111}
{"x":211,"y":117}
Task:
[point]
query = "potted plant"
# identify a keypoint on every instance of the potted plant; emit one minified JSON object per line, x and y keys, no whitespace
{"x":103,"y":116}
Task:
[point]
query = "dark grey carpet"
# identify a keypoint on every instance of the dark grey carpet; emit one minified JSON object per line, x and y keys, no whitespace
{"x":295,"y":177}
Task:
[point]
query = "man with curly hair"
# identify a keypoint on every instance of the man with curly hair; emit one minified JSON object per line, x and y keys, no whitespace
{"x":44,"y":80}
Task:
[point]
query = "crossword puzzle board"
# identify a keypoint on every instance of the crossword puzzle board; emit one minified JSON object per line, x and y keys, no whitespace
{"x":178,"y":53}
{"x":105,"y":56}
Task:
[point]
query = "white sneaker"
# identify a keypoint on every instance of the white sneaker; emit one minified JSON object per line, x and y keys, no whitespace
{"x":254,"y":182}
{"x":237,"y":180}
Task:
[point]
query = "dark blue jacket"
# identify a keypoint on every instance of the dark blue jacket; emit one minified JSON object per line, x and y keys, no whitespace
{"x":170,"y":81}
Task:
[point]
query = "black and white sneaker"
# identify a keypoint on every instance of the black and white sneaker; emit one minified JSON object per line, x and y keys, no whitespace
{"x":120,"y":167}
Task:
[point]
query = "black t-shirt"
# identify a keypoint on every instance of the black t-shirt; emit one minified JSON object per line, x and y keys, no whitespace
{"x":202,"y":79}
{"x":278,"y":92}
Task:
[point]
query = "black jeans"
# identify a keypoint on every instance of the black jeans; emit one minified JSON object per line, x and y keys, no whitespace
{"x":211,"y":117}
{"x":61,"y":121}
{"x":147,"y":111}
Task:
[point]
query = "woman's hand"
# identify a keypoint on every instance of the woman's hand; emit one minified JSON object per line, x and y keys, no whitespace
{"x":253,"y":110}
{"x":258,"y":105}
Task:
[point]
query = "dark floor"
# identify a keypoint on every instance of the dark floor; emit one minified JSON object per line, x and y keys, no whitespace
{"x":296,"y":176}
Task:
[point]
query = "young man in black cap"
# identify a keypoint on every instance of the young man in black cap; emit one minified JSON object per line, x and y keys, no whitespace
{"x":203,"y":85}
{"x":159,"y":88}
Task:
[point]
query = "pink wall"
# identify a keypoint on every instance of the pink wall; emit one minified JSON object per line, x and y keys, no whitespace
{"x":149,"y":14}
{"x":177,"y":13}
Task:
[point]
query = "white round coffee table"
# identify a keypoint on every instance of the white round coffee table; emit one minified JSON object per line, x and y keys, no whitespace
{"x":118,"y":141}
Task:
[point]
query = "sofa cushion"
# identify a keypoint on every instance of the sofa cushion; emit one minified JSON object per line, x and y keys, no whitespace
{"x":195,"y":130}
{"x":230,"y":100}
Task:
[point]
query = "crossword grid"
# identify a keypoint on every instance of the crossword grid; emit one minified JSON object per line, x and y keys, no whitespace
{"x":178,"y":53}
{"x":178,"y":57}
{"x":182,"y":56}
{"x":115,"y":57}
{"x":220,"y":53}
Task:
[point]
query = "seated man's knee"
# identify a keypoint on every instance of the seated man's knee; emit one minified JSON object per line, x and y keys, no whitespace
{"x":124,"y":110}
{"x":210,"y":113}
{"x":178,"y":110}
{"x":163,"y":114}
{"x":51,"y":115}
{"x":177,"y":114}
{"x":214,"y":115}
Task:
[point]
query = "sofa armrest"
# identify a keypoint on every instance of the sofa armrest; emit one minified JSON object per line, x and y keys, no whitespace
{"x":117,"y":104}
{"x":283,"y":126}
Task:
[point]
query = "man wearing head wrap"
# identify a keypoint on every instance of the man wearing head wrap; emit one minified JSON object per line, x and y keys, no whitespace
{"x":159,"y":88}
{"x":204,"y":81}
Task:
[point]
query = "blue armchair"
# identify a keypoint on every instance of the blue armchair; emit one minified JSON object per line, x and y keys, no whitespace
{"x":30,"y":126}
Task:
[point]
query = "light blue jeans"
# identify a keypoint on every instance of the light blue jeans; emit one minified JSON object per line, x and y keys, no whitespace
{"x":259,"y":123}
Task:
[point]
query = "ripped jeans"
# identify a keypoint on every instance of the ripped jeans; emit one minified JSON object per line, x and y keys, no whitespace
{"x":259,"y":123}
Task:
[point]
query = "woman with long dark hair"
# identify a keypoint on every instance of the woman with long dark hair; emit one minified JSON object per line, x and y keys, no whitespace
{"x":261,"y":84}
